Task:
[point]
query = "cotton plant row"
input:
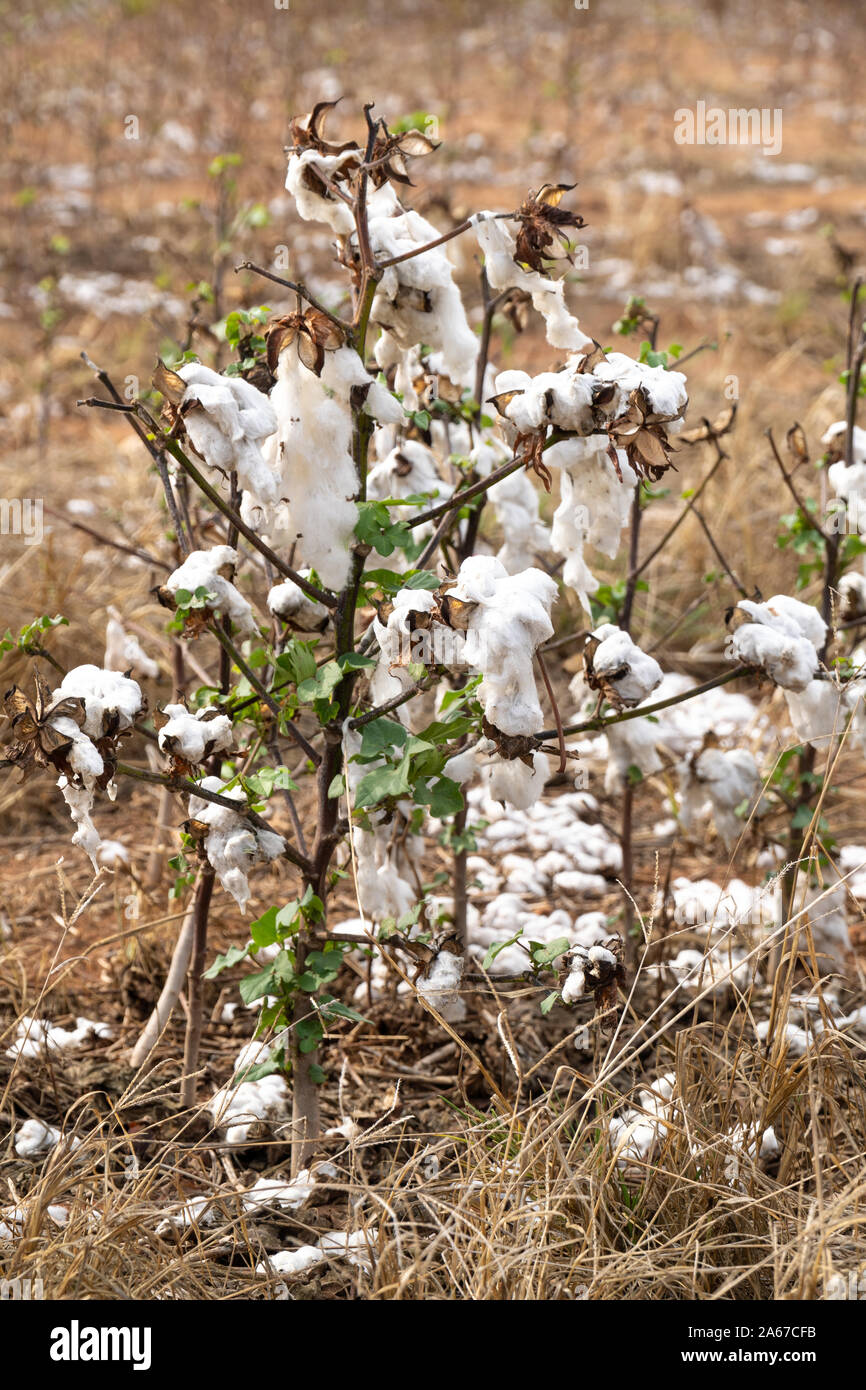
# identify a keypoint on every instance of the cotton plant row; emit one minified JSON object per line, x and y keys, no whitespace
{"x":399,"y":657}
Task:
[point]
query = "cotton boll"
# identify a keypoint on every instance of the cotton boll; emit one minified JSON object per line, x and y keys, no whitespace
{"x":112,"y":854}
{"x":590,"y":929}
{"x":292,"y":1263}
{"x":33,"y":1139}
{"x":593,"y":507}
{"x":194,"y":736}
{"x":123,"y":652}
{"x":515,"y":784}
{"x":790,"y":661}
{"x":354,"y":1246}
{"x":227,"y":420}
{"x":312,"y":200}
{"x":578,"y":884}
{"x":724,"y":780}
{"x":80,"y":802}
{"x":575,"y":983}
{"x":440,"y":985}
{"x":203,"y":569}
{"x":289,"y":602}
{"x":498,"y":246}
{"x":522,"y":876}
{"x":111,"y":701}
{"x":665,"y":390}
{"x":417,"y":300}
{"x":782,"y":638}
{"x":515,"y":504}
{"x":714,"y":972}
{"x":818,"y":712}
{"x":852,"y":594}
{"x":238,"y":1108}
{"x":312,"y":452}
{"x":796,"y":1040}
{"x":274,"y":1192}
{"x":232,"y":844}
{"x":622,"y":667}
{"x":510,"y":620}
{"x":408,"y":470}
{"x":477,"y":867}
{"x":630,"y":744}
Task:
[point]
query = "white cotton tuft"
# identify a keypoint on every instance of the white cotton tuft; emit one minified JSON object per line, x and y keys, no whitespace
{"x":724,"y":780}
{"x":232,"y":844}
{"x":509,"y":620}
{"x":498,"y":245}
{"x":111,"y":701}
{"x":228,"y":420}
{"x":123,"y":652}
{"x":621,"y":664}
{"x":194,"y":736}
{"x":418,"y":301}
{"x":203,"y":569}
{"x":782,"y":638}
{"x":289,"y":602}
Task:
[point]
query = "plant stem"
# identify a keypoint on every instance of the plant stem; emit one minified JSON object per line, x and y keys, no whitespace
{"x":195,"y":990}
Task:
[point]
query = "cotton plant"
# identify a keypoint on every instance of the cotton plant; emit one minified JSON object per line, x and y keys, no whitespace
{"x":343,"y":603}
{"x":76,"y":731}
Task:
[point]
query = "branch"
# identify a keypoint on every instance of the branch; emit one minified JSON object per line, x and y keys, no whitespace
{"x":298,"y":289}
{"x":188,"y":788}
{"x":360,"y":720}
{"x":721,"y":456}
{"x":143,"y":555}
{"x":560,"y":733}
{"x":720,"y":557}
{"x":311,"y":590}
{"x":245,"y":669}
{"x":600,"y":723}
{"x":457,"y":499}
{"x":789,"y":483}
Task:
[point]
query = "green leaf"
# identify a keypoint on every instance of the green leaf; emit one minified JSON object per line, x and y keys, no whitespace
{"x":379,"y":735}
{"x":493,"y":950}
{"x":444,"y":798}
{"x":309,"y":1032}
{"x":546,"y":954}
{"x":264,"y":930}
{"x":381,"y":783}
{"x":233,"y":956}
{"x":548,"y":1003}
{"x":256,"y":986}
{"x":322,"y":685}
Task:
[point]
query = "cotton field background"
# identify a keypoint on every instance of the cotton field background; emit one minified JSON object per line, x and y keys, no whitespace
{"x":433,"y":737}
